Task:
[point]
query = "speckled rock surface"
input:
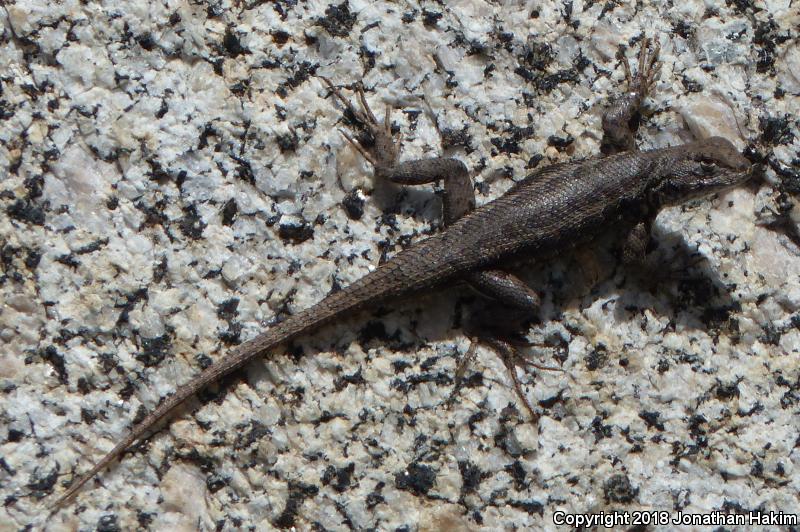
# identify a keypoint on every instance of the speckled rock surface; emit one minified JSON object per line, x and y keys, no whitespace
{"x":173,"y":181}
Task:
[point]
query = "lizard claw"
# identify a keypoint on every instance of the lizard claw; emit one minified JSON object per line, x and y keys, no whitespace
{"x":378,"y":146}
{"x":361,"y":117}
{"x":648,"y":69}
{"x":511,"y":359}
{"x":357,"y":145}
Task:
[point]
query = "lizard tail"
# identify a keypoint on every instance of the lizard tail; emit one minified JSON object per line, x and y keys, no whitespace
{"x":369,"y":289}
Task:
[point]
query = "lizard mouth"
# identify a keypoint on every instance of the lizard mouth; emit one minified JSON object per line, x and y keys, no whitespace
{"x":723,"y":177}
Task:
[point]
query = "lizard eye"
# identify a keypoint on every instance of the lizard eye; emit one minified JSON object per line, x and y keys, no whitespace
{"x":707,"y":167}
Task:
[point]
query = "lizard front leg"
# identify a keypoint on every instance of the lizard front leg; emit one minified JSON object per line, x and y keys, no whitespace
{"x":634,"y":247}
{"x":621,"y":118}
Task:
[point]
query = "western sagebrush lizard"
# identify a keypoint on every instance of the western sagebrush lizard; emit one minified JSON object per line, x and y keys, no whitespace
{"x":554,"y":208}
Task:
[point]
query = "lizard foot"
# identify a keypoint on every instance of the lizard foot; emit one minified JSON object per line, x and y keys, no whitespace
{"x":621,"y":119}
{"x":378,"y":145}
{"x":513,"y":360}
{"x":506,"y":347}
{"x":649,"y":67}
{"x":461,"y":370}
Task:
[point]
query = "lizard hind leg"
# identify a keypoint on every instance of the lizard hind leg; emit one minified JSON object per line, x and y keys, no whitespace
{"x":500,"y":323}
{"x":621,"y":118}
{"x":382,"y":150}
{"x":506,"y":288}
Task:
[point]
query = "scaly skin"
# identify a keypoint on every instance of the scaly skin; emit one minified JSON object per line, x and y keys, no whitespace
{"x":554,"y":208}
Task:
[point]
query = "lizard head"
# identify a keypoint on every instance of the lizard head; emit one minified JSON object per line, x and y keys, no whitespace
{"x":703,"y":167}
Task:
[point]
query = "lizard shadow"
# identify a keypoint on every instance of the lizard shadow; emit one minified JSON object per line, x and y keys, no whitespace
{"x":420,"y":204}
{"x":690,"y":293}
{"x":695,"y":294}
{"x":675,"y":281}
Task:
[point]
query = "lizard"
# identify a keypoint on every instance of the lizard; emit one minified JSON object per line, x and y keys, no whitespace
{"x":552,"y":209}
